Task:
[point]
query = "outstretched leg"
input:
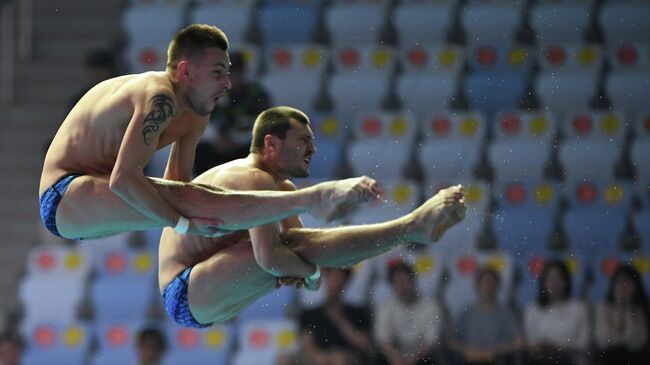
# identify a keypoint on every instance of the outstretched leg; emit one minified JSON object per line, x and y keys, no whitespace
{"x":231,"y":279}
{"x":90,"y":209}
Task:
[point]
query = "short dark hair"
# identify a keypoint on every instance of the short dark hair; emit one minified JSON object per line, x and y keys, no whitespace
{"x":193,"y":40}
{"x":542,"y":294}
{"x":275,"y":121}
{"x":12,"y":337}
{"x":152,"y":335}
{"x":487,"y":271}
{"x":397,"y":266}
{"x":631,"y":274}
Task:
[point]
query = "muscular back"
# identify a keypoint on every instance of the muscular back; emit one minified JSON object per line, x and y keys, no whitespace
{"x":89,"y":139}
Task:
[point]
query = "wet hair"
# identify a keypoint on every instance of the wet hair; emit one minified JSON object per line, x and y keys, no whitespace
{"x":191,"y":42}
{"x":487,"y":271}
{"x":152,"y":335}
{"x":275,"y":121}
{"x":398,"y":266}
{"x":542,"y":294}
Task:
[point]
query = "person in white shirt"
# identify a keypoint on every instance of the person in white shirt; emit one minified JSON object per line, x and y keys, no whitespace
{"x":623,"y":320}
{"x":409,"y":326}
{"x":556,"y":327}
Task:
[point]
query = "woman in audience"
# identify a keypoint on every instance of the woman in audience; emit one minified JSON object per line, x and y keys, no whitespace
{"x":409,"y":326}
{"x":556,"y":327}
{"x":623,"y":321}
{"x":487,"y":333}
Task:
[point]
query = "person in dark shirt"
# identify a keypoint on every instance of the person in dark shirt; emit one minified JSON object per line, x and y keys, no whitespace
{"x":228,"y":136}
{"x":336,"y":333}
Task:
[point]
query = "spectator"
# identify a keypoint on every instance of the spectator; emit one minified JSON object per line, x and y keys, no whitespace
{"x":623,"y":320}
{"x":336,"y":333}
{"x":408,"y":326}
{"x":487,"y":333}
{"x":151,"y":346}
{"x":228,"y":136}
{"x":11,"y":349}
{"x":100,"y":65}
{"x":556,"y":327}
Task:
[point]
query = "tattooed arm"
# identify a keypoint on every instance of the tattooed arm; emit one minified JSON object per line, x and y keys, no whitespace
{"x":139,"y":144}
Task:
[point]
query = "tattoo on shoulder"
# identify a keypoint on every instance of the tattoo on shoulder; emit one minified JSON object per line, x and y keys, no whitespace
{"x":162,"y":109}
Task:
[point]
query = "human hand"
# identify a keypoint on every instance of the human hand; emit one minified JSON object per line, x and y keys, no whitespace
{"x":209,"y":227}
{"x":339,"y":197}
{"x":297,"y":283}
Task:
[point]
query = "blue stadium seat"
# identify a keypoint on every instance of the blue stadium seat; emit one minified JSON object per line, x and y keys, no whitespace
{"x":289,"y":22}
{"x":357,"y":23}
{"x":233,"y":17}
{"x":419,"y":22}
{"x":260,"y":342}
{"x":572,"y":57}
{"x":491,"y":21}
{"x":56,"y":342}
{"x":563,"y":21}
{"x":273,"y":305}
{"x":116,"y":342}
{"x":563,"y":92}
{"x":628,"y":91}
{"x":444,"y":58}
{"x":597,"y":216}
{"x":422,"y":94}
{"x":208,"y":346}
{"x":331,"y":134}
{"x":494,"y":92}
{"x":625,"y":22}
{"x":524,"y":220}
{"x":522,"y":145}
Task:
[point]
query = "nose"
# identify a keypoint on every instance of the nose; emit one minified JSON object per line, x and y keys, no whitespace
{"x":227,"y":85}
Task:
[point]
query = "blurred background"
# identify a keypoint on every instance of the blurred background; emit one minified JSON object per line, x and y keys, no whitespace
{"x":539,"y":107}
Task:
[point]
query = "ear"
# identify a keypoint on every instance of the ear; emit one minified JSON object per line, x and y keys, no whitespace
{"x":270,"y":142}
{"x":183,"y":69}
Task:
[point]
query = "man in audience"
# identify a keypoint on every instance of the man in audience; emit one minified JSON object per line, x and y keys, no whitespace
{"x":151,"y":346}
{"x":11,"y":349}
{"x":487,"y":333}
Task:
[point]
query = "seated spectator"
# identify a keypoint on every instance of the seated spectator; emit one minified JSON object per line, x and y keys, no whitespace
{"x":623,"y":321}
{"x":556,"y":327}
{"x":409,"y":326}
{"x":151,"y":346}
{"x":487,"y":333}
{"x":228,"y":136}
{"x":335,"y":333}
{"x":11,"y":349}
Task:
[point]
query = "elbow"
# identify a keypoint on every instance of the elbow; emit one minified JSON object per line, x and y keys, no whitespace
{"x":269,"y":263}
{"x":117,"y":182}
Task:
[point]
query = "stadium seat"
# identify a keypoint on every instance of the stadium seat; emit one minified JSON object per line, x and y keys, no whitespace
{"x":493,"y":92}
{"x":116,"y":342}
{"x":628,"y":91}
{"x":273,"y":305}
{"x":561,"y":21}
{"x":420,"y":22}
{"x":233,"y":17}
{"x":629,"y":57}
{"x":56,"y":342}
{"x":207,"y":346}
{"x":451,"y":144}
{"x":444,"y":58}
{"x":597,"y":214}
{"x":571,"y":57}
{"x":491,"y":21}
{"x":383,"y":144}
{"x":608,"y":261}
{"x":524,"y":219}
{"x":424,"y":93}
{"x":561,"y":93}
{"x":260,"y":342}
{"x":497,"y":58}
{"x":624,"y":22}
{"x":400,"y":197}
{"x":522,"y":145}
{"x":331,"y":134}
{"x":289,"y":22}
{"x":355,"y":23}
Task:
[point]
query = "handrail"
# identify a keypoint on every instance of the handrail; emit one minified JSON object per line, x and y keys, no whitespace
{"x":12,"y":43}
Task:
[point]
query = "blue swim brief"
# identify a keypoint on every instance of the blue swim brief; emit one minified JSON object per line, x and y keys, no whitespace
{"x":50,"y":199}
{"x":176,"y":302}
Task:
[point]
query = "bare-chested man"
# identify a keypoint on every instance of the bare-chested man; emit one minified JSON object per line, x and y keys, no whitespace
{"x":93,"y":182}
{"x":207,"y":280}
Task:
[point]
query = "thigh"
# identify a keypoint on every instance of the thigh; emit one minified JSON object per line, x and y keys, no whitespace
{"x":223,"y":285}
{"x":90,"y":209}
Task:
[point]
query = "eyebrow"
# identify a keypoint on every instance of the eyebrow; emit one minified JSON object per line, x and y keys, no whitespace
{"x":223,"y":65}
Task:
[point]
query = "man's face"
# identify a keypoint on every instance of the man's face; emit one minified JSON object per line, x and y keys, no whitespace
{"x":9,"y":353}
{"x":296,"y":150}
{"x":208,"y":80}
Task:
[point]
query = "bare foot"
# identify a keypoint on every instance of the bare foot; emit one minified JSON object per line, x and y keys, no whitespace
{"x":441,"y":212}
{"x":340,"y":197}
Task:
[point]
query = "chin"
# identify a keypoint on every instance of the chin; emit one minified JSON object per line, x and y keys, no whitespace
{"x":301,"y":174}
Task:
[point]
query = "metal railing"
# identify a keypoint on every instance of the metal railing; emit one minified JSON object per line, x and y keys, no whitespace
{"x":16,"y":24}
